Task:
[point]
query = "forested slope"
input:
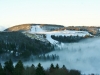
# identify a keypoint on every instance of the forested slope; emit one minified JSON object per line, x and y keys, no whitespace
{"x":18,"y":45}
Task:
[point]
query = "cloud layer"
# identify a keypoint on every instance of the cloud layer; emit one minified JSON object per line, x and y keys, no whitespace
{"x":83,"y":56}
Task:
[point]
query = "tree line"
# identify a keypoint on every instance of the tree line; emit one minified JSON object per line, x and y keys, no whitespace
{"x":20,"y":69}
{"x":44,"y":57}
{"x":68,"y":39}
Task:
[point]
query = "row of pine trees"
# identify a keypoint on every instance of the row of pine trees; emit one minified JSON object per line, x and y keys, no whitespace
{"x":68,"y":39}
{"x":20,"y":69}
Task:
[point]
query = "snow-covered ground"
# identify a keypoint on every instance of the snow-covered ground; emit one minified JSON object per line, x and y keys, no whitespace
{"x":37,"y":30}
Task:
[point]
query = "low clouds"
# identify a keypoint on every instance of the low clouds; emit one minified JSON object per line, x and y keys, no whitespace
{"x":83,"y":56}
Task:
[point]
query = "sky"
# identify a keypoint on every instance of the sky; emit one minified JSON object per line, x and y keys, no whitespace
{"x":62,"y":12}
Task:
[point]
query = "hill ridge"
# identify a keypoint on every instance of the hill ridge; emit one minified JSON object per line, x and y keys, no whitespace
{"x":24,"y":27}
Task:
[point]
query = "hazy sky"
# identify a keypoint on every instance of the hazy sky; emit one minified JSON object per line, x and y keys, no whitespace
{"x":64,"y":12}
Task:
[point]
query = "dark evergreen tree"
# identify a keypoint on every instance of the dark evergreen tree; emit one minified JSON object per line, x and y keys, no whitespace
{"x":19,"y":68}
{"x":29,"y":70}
{"x":57,"y":66}
{"x":63,"y":67}
{"x":40,"y":70}
{"x":8,"y":67}
{"x":52,"y":68}
{"x":1,"y":70}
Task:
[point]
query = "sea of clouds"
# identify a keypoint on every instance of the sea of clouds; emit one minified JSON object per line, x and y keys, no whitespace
{"x":83,"y":56}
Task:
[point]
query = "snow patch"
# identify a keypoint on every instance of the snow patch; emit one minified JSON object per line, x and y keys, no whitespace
{"x":36,"y":29}
{"x":48,"y":37}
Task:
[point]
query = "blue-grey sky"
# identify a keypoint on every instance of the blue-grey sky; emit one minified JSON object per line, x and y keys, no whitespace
{"x":63,"y":12}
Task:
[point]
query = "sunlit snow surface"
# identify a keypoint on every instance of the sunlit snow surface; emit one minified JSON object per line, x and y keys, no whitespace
{"x":37,"y":29}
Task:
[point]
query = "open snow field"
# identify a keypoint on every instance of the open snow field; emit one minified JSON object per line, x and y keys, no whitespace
{"x":38,"y":30}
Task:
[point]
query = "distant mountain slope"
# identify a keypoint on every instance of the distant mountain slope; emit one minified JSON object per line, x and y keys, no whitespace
{"x":53,"y":27}
{"x":43,"y":32}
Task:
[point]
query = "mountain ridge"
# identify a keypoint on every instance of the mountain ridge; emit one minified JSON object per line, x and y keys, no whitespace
{"x":25,"y":27}
{"x":54,"y":27}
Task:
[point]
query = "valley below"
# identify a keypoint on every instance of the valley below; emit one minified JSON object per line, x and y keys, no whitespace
{"x":47,"y":44}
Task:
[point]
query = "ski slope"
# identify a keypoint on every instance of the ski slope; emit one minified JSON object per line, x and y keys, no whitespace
{"x":38,"y":30}
{"x":35,"y":29}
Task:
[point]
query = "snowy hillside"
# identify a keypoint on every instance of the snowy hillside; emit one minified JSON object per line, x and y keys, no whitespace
{"x":38,"y":30}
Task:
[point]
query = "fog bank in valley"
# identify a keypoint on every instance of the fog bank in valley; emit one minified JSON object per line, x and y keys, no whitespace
{"x":83,"y":56}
